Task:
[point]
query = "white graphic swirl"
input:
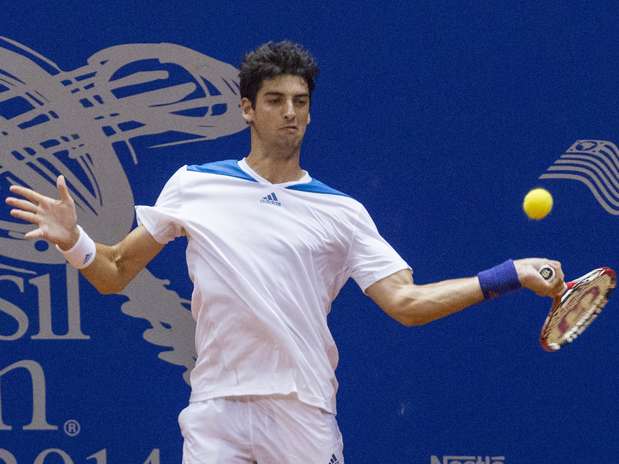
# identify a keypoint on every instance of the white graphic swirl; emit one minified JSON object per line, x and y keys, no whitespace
{"x":594,"y":163}
{"x":75,"y":123}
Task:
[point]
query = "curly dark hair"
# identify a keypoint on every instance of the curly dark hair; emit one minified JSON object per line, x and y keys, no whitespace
{"x":273,"y":59}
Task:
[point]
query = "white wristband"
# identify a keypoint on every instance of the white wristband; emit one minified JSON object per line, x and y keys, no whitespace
{"x":82,"y":254}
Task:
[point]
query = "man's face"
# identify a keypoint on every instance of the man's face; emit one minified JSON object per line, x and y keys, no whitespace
{"x":281,"y":112}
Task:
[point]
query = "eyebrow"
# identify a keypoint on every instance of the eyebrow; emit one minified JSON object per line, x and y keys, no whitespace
{"x":273,"y":93}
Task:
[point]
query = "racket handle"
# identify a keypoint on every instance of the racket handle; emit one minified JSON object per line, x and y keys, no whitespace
{"x":547,"y":272}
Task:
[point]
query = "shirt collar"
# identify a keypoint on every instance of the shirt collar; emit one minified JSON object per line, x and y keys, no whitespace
{"x":305,"y":179}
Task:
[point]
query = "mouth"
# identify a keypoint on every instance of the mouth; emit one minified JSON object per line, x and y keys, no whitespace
{"x":290,"y":128}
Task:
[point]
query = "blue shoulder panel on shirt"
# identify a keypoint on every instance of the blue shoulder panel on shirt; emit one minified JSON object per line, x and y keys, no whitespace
{"x":228,"y":168}
{"x":315,"y":186}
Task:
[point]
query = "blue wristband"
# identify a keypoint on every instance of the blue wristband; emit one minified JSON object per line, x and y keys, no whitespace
{"x":499,"y":280}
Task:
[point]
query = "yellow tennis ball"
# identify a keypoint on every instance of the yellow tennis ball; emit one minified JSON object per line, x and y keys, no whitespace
{"x":537,"y":203}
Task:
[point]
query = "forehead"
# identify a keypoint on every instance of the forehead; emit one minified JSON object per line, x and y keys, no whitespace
{"x":284,"y":84}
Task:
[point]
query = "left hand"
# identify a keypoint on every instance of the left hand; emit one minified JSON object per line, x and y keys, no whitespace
{"x":529,"y":276}
{"x":56,"y":219}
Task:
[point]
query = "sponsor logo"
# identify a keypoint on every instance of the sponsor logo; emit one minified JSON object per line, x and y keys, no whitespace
{"x":271,"y":199}
{"x":467,"y":460}
{"x":83,"y":124}
{"x":76,"y":122}
{"x":37,"y":377}
{"x":100,"y":457}
{"x":594,"y":163}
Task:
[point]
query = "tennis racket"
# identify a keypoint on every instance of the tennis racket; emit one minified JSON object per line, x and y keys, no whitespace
{"x":573,"y":312}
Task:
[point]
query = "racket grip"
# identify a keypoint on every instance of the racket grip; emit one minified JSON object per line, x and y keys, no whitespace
{"x":547,"y":272}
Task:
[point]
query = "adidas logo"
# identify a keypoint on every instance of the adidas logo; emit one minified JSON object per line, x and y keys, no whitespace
{"x":334,"y":460}
{"x":271,"y":199}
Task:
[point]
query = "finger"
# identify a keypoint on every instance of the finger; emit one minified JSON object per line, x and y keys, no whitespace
{"x":557,"y":266}
{"x":560,"y":277}
{"x":558,"y":271}
{"x":35,"y":234}
{"x":27,"y":193}
{"x":559,"y":287}
{"x":63,"y":190}
{"x":25,"y":216}
{"x":552,"y":283}
{"x":22,"y":204}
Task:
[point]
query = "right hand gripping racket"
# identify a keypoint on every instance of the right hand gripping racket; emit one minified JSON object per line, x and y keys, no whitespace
{"x":573,"y":312}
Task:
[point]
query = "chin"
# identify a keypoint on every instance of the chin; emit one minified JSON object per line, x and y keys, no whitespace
{"x":290,"y":142}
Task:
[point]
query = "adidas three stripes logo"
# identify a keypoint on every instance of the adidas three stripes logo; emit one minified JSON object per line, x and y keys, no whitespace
{"x":271,"y":199}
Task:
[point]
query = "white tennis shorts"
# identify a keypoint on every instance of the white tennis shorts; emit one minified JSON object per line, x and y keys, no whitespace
{"x":259,"y":429}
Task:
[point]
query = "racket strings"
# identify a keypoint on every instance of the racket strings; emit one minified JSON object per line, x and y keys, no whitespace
{"x":577,"y":308}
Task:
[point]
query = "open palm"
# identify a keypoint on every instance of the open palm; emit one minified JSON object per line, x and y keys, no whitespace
{"x":56,"y":219}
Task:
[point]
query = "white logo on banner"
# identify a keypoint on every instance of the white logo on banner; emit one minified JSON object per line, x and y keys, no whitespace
{"x":467,"y":460}
{"x":75,"y":123}
{"x":594,"y":163}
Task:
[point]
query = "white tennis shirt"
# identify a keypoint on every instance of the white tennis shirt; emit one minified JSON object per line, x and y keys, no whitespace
{"x":266,"y":261}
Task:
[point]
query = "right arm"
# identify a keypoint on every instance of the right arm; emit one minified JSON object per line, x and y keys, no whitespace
{"x":56,"y":220}
{"x":412,"y":304}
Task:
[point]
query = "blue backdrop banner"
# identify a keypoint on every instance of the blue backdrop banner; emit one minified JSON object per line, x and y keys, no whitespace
{"x":438,"y":116}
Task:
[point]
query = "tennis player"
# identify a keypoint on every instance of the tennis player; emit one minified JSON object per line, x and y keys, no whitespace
{"x":269,"y":248}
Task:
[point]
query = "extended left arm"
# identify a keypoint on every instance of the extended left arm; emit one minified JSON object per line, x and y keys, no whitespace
{"x":412,"y":304}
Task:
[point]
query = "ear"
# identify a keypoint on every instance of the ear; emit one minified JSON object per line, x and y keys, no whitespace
{"x":247,"y":111}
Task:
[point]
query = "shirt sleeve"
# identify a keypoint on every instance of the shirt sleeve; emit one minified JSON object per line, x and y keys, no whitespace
{"x":371,"y":258}
{"x":164,"y":220}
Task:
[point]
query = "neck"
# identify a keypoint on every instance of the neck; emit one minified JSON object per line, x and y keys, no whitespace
{"x":276,"y":166}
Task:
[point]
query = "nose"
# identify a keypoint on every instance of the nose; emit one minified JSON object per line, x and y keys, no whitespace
{"x":289,"y":113}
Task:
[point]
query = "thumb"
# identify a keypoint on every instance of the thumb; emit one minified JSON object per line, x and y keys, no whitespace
{"x":63,"y":190}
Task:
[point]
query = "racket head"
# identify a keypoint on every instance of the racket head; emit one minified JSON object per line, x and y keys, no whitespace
{"x":575,"y":310}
